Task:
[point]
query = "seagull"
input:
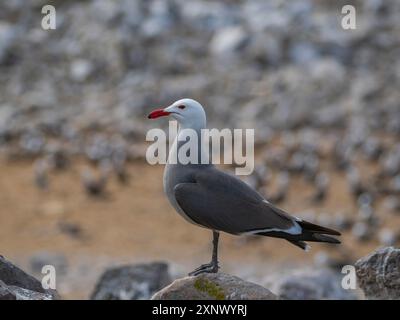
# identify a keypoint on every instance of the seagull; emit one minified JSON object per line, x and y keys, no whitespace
{"x":94,"y":185}
{"x":221,"y":202}
{"x":41,"y":174}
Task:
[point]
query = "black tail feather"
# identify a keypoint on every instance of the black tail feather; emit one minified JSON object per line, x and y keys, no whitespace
{"x":301,"y":244}
{"x":314,"y":228}
{"x":324,"y":238}
{"x":310,"y":232}
{"x":315,"y":233}
{"x":314,"y":237}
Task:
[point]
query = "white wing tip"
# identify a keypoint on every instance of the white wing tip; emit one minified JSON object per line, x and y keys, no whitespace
{"x":307,"y":248}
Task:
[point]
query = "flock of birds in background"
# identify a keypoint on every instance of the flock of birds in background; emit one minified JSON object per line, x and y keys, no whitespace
{"x":366,"y":188}
{"x":110,"y":157}
{"x":299,"y":155}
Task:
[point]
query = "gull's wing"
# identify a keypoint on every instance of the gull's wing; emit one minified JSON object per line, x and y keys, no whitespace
{"x":222,"y":202}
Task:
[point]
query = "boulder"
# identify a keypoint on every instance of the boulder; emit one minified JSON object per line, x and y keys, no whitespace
{"x":310,"y":284}
{"x":135,"y":282}
{"x":213,"y":286}
{"x":15,"y":284}
{"x":378,"y":274}
{"x":17,"y":293}
{"x":5,"y":292}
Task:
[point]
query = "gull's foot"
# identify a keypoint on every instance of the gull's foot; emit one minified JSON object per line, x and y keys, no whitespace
{"x":205,"y":268}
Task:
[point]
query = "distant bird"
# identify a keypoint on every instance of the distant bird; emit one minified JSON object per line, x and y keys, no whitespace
{"x":41,"y":174}
{"x":391,"y":162}
{"x":118,"y":162}
{"x":366,"y":214}
{"x":372,"y":148}
{"x":121,"y":173}
{"x":343,"y":222}
{"x":387,"y":237}
{"x":297,"y":162}
{"x":354,"y":181}
{"x":210,"y":198}
{"x":392,"y":203}
{"x":321,"y":185}
{"x":71,"y":229}
{"x":283,"y":180}
{"x":94,"y":185}
{"x":259,"y":178}
{"x":59,"y":159}
{"x":311,"y":166}
{"x":361,"y":231}
{"x":342,"y":155}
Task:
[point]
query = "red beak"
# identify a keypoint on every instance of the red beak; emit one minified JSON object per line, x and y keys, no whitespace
{"x":158,"y":113}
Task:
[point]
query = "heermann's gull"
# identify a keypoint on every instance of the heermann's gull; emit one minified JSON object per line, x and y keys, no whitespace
{"x":210,"y":198}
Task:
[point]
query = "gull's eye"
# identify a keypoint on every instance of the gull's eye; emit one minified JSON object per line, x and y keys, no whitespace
{"x":182,"y":107}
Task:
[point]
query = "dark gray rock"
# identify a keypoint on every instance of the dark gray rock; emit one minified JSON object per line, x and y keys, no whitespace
{"x":214,"y":286}
{"x":15,"y":284}
{"x":12,"y":275}
{"x":135,"y":282}
{"x":379,"y":274}
{"x":17,"y":293}
{"x":5,"y":292}
{"x":311,"y":285}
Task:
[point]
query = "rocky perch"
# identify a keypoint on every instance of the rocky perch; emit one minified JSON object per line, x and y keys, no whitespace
{"x":379,"y":274}
{"x":213,"y":286}
{"x":132,"y":282}
{"x":16,"y":284}
{"x":309,"y":284}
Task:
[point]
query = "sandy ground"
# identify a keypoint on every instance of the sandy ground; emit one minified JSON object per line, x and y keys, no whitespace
{"x":136,"y":223}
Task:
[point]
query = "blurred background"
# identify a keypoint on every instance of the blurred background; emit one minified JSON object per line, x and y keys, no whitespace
{"x":75,"y":189}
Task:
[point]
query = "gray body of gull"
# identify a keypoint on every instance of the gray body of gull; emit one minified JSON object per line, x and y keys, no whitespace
{"x":213,"y":199}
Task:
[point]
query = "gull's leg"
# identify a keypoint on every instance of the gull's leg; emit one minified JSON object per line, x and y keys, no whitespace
{"x":214,"y":259}
{"x":213,"y":266}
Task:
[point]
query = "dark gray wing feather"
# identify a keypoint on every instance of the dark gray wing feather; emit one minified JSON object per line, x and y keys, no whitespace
{"x":220,"y":201}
